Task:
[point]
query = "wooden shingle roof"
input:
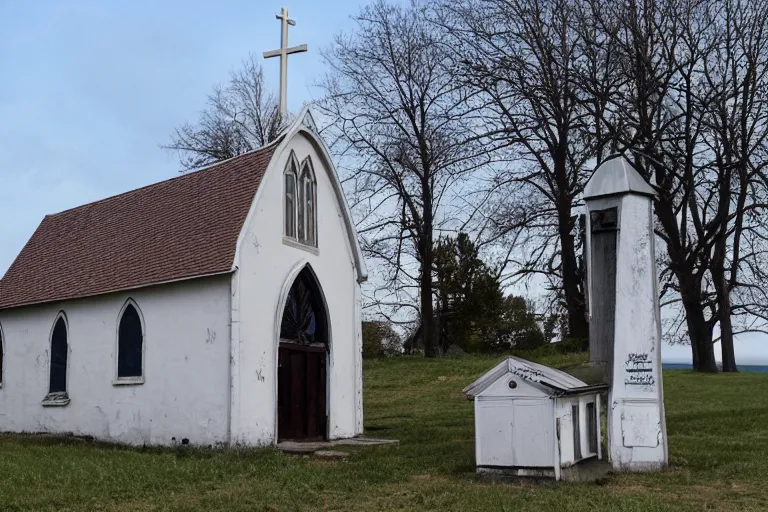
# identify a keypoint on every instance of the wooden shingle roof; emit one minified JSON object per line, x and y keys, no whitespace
{"x":177,"y":229}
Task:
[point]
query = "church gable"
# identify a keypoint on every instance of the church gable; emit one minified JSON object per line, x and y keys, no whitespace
{"x":177,"y":229}
{"x":302,"y":165}
{"x":296,"y":301}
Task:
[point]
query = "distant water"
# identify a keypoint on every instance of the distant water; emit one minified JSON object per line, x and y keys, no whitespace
{"x":742,"y":368}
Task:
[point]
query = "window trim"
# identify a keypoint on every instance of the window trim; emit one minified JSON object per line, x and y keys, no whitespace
{"x":292,"y":242}
{"x":133,"y":380}
{"x":58,"y":398}
{"x":292,"y":168}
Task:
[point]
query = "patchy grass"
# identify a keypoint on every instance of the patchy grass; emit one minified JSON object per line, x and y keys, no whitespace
{"x":718,"y":437}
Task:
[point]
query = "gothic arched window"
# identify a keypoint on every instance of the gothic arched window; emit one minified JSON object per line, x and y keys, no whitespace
{"x":291,"y":199}
{"x":130,"y":343}
{"x":308,"y":194}
{"x":304,"y":320}
{"x":57,"y":384}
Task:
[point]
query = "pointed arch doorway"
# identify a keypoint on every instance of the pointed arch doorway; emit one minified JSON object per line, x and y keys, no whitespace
{"x":302,"y":358}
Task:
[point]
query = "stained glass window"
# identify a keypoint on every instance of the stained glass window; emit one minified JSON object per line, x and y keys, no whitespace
{"x":304,"y":314}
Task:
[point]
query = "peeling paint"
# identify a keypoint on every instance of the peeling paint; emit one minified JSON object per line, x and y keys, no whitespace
{"x":636,"y":424}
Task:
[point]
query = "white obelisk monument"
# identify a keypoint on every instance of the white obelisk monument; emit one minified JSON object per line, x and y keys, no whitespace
{"x":625,"y":321}
{"x":283,"y":52}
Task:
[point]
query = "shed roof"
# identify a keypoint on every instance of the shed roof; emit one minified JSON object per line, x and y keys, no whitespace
{"x":558,"y":381}
{"x":616,"y":176}
{"x":177,"y":229}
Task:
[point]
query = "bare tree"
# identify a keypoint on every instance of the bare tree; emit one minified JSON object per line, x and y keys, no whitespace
{"x":736,"y":119}
{"x":404,"y":133}
{"x":687,"y":113}
{"x":653,"y":115}
{"x":522,"y":57}
{"x":239,"y":117}
{"x":679,"y":87}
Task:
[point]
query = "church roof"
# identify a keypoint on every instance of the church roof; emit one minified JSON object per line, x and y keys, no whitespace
{"x":177,"y":229}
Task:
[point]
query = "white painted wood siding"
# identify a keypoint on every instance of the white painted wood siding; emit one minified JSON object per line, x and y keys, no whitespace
{"x":532,"y":433}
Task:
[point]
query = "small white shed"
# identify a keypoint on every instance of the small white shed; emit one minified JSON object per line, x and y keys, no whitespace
{"x":532,"y":420}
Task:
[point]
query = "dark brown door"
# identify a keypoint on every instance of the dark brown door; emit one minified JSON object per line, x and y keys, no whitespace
{"x":301,"y":392}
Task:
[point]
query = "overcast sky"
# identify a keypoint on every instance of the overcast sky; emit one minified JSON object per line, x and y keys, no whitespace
{"x":89,"y":89}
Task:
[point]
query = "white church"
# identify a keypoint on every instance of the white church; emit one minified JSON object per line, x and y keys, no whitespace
{"x":220,"y":307}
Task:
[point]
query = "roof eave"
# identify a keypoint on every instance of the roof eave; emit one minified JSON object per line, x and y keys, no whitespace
{"x":584,"y":390}
{"x":619,"y":194}
{"x":116,"y":290}
{"x":485,"y":380}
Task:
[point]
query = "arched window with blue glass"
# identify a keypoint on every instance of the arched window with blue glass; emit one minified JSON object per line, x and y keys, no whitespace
{"x":59,"y":355}
{"x":130,"y":344}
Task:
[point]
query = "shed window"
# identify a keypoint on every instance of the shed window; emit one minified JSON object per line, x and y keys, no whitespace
{"x":130,"y":342}
{"x":592,"y":427}
{"x":59,"y":348}
{"x":576,"y":432}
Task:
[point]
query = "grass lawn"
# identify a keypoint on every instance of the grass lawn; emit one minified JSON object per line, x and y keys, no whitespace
{"x":718,"y":443}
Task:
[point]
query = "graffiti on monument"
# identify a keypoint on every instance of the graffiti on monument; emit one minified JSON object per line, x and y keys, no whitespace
{"x":639,"y":370}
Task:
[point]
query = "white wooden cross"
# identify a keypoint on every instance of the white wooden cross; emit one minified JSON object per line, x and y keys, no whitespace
{"x":283,"y":52}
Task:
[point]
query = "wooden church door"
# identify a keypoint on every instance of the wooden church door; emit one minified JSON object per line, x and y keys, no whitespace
{"x":301,"y":392}
{"x":302,"y":359}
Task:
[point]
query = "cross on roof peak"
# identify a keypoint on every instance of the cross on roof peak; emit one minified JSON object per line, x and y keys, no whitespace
{"x":283,"y":53}
{"x":284,"y":16}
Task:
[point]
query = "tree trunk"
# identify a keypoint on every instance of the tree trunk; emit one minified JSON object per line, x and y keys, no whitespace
{"x":726,"y":326}
{"x":717,"y":264}
{"x":699,"y":332}
{"x":427,"y":310}
{"x":578,"y":327}
{"x":426,"y":285}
